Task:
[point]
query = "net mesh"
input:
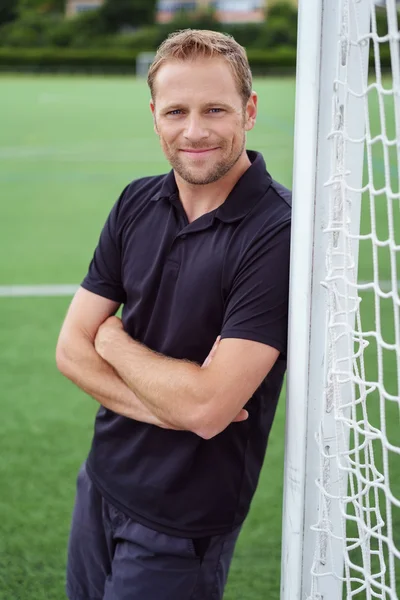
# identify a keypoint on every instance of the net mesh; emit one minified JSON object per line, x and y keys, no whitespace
{"x":359,"y":435}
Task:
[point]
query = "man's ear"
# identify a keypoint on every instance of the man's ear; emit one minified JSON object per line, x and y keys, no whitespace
{"x":153,"y":112}
{"x":251,"y":111}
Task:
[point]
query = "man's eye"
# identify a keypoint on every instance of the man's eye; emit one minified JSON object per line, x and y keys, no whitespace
{"x":216,"y":110}
{"x":177,"y":111}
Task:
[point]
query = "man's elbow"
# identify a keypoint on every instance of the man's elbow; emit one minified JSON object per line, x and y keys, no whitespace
{"x":61,"y":358}
{"x":207,"y":433}
{"x":208,"y":430}
{"x":208,"y":423}
{"x":65,"y":358}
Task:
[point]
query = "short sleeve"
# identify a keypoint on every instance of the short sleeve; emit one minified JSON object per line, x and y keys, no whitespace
{"x":104,"y":276}
{"x":257,"y":305}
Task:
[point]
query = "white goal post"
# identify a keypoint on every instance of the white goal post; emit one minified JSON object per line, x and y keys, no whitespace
{"x":341,"y":521}
{"x":143,"y":63}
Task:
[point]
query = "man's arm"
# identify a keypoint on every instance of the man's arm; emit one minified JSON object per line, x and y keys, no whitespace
{"x":78,"y":360}
{"x":254,"y":332}
{"x":202,"y":400}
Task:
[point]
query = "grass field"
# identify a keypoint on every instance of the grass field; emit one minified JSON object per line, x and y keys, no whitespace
{"x":68,"y":146}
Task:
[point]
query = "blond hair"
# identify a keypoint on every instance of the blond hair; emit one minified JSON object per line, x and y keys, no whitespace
{"x":190,"y":44}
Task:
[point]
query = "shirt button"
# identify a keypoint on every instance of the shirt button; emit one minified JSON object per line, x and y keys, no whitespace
{"x":184,"y":236}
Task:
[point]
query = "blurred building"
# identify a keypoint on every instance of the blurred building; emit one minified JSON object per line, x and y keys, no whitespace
{"x":228,"y":11}
{"x":272,"y":2}
{"x":75,"y":7}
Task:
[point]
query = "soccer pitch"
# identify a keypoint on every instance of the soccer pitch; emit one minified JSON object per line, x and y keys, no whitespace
{"x":68,"y":147}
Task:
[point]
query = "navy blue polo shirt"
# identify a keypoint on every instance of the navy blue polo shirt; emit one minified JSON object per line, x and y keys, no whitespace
{"x":181,"y":285}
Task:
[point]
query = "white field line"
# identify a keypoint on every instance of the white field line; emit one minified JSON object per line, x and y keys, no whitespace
{"x":30,"y":291}
{"x":89,"y":147}
{"x":101,"y":150}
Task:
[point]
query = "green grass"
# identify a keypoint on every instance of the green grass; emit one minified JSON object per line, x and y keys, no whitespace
{"x":68,"y":147}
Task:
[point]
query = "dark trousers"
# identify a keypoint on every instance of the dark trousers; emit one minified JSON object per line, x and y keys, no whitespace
{"x":113,"y":557}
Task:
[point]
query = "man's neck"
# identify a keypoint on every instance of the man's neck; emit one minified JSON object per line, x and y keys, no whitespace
{"x":197,"y":200}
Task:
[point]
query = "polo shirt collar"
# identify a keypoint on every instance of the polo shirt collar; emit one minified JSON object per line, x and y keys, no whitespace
{"x":247,"y":192}
{"x":168,"y":187}
{"x":244,"y":196}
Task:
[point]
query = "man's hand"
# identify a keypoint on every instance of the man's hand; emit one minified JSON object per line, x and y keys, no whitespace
{"x":112,"y":328}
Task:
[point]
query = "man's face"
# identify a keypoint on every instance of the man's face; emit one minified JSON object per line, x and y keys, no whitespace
{"x":200,"y":118}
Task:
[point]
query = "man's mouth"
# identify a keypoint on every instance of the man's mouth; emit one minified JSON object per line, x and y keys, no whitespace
{"x":198,"y":150}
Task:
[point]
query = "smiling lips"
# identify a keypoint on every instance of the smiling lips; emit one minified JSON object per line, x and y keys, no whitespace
{"x":198,"y":151}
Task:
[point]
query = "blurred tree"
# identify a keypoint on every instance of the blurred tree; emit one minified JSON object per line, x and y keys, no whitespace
{"x":41,"y":6}
{"x":8,"y":11}
{"x":29,"y":30}
{"x":283,"y":10}
{"x":184,"y":19}
{"x":116,"y":14}
{"x":280,"y":27}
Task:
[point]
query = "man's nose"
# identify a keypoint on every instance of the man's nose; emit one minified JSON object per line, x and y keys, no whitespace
{"x":195,"y":129}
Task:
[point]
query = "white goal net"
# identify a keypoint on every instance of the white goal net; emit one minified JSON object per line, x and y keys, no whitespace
{"x":342,"y":473}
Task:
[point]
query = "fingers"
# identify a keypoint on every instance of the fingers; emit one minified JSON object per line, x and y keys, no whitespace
{"x":214,"y":348}
{"x":212,"y":352}
{"x":242,"y":416}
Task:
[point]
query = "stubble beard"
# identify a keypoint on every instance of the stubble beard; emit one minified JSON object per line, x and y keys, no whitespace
{"x":216,"y":172}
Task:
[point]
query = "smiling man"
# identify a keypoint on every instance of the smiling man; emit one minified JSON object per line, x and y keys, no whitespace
{"x":189,"y":379}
